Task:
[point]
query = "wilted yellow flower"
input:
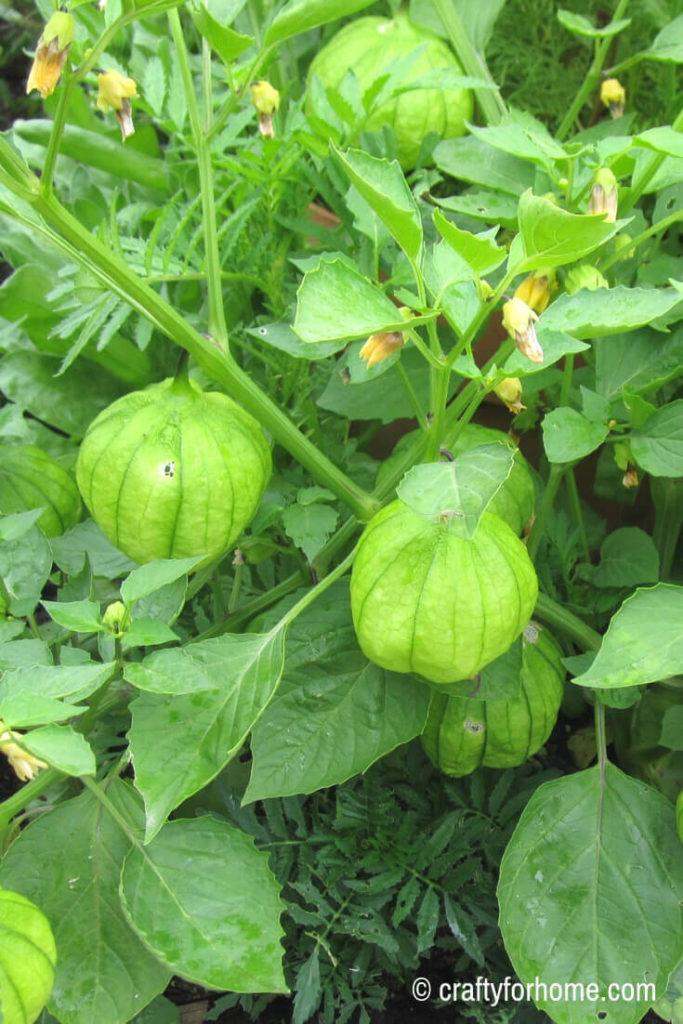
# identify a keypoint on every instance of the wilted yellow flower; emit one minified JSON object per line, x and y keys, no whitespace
{"x":630,"y":477}
{"x":518,"y":321}
{"x":24,"y":765}
{"x":51,"y":53}
{"x":510,"y":393}
{"x":584,"y":276}
{"x":115,"y":92}
{"x":613,"y":95}
{"x":380,"y":346}
{"x":604,"y":196}
{"x":536,"y":288}
{"x":266,"y":100}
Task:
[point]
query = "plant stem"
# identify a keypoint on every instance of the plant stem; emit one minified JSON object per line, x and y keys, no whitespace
{"x":16,"y":803}
{"x":577,"y":512}
{"x":592,"y":78}
{"x":218,"y":327}
{"x":656,"y":229}
{"x":667,"y":495}
{"x":556,"y":615}
{"x":52,"y":152}
{"x":318,"y":589}
{"x":102,"y":798}
{"x":490,"y":100}
{"x":601,"y":741}
{"x":412,"y":396}
{"x":537,"y":530}
{"x":639,"y":184}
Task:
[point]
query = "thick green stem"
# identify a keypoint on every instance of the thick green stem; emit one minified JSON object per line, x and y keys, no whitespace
{"x":557,"y":616}
{"x":14,"y":804}
{"x":592,"y":79}
{"x":667,"y":495}
{"x":52,"y":152}
{"x":489,"y":99}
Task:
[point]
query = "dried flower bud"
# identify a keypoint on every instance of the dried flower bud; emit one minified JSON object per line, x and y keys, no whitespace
{"x":584,"y":276}
{"x":24,"y":765}
{"x":536,"y":288}
{"x":115,"y":92}
{"x":630,"y":477}
{"x":604,"y":196}
{"x":518,"y":321}
{"x":510,"y":393}
{"x":380,"y":346}
{"x":266,"y":100}
{"x":613,"y":95}
{"x":51,"y":53}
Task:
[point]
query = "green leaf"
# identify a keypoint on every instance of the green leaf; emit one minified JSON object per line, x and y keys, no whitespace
{"x":668,"y":44}
{"x":523,"y":137}
{"x":581,"y":26}
{"x":69,"y":552}
{"x":78,"y":616}
{"x":27,"y":959}
{"x":672,"y":728}
{"x":153,"y":576}
{"x":479,"y":252}
{"x":427,"y":919}
{"x":204,"y":700}
{"x":644,"y":641}
{"x":663,"y":140}
{"x":75,"y":681}
{"x":308,"y":988}
{"x":568,"y":435}
{"x":382,"y":184}
{"x":14,"y":526}
{"x":309,"y":526}
{"x":336,"y":713}
{"x":491,"y":207}
{"x":227,"y":43}
{"x":499,"y":680}
{"x":461,"y":490}
{"x":555,"y":344}
{"x":462,"y":928}
{"x":473,"y":160}
{"x":382,"y":398}
{"x":552,"y":237}
{"x":25,"y":565}
{"x":640,"y":361}
{"x":658,"y":445}
{"x":282,"y":337}
{"x":628,"y":557}
{"x":68,"y":861}
{"x":62,"y":748}
{"x":205,"y":901}
{"x":587,"y":863}
{"x":23,"y":710}
{"x":593,"y":314}
{"x":299,"y":15}
{"x":147,"y":632}
{"x":335,"y":302}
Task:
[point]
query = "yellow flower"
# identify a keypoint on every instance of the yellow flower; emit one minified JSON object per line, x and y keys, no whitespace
{"x":510,"y":393}
{"x":24,"y":765}
{"x":518,"y":321}
{"x":604,"y":197}
{"x":536,"y":288}
{"x":266,"y":100}
{"x":115,"y":92}
{"x":380,"y":346}
{"x":613,"y":95}
{"x":51,"y":53}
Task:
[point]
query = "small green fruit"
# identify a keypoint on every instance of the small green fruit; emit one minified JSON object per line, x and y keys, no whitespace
{"x":172,"y":471}
{"x":30,"y":478}
{"x":367,"y":46}
{"x":463,"y":733}
{"x":425,"y":600}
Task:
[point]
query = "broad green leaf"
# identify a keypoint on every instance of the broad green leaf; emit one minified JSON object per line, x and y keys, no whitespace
{"x":27,"y":959}
{"x":672,"y":728}
{"x":460,"y":490}
{"x":568,"y":435}
{"x":480,"y":19}
{"x":299,"y":15}
{"x":23,"y":710}
{"x":335,"y":302}
{"x":227,"y":43}
{"x":552,"y":237}
{"x":383,"y":398}
{"x":581,"y":26}
{"x":14,"y":526}
{"x":668,"y":44}
{"x":593,"y":314}
{"x":657,"y":446}
{"x":663,"y":139}
{"x":75,"y":681}
{"x":555,"y":344}
{"x":382,"y":185}
{"x":523,"y":137}
{"x":644,"y":641}
{"x":160,"y":1011}
{"x":309,"y":526}
{"x":78,"y":616}
{"x":153,"y":576}
{"x":25,"y":565}
{"x":480,"y":252}
{"x":500,"y":679}
{"x":628,"y":557}
{"x":62,"y":748}
{"x":491,"y":207}
{"x":335,"y":712}
{"x":24,"y":653}
{"x":148,"y":632}
{"x":282,"y":337}
{"x":589,"y":860}
{"x":181,"y":740}
{"x":68,"y":861}
{"x":640,"y":361}
{"x":69,"y":552}
{"x":472,"y":160}
{"x":205,"y":901}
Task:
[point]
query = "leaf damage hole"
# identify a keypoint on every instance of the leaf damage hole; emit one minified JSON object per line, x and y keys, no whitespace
{"x":168,"y":469}
{"x":473,"y":727}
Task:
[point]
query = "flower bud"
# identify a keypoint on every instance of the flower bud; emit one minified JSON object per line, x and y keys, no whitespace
{"x":613,"y":95}
{"x":24,"y":765}
{"x":51,"y":53}
{"x":630,"y":477}
{"x":266,"y":100}
{"x":536,"y":288}
{"x":584,"y":276}
{"x":380,"y":346}
{"x":117,"y":618}
{"x":510,"y":393}
{"x":604,"y":196}
{"x":115,"y":92}
{"x":518,"y":321}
